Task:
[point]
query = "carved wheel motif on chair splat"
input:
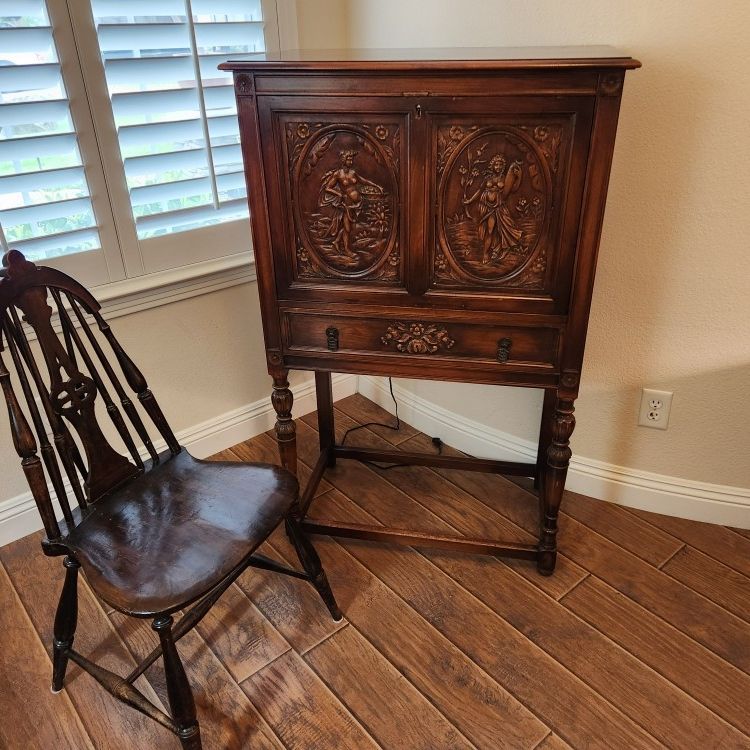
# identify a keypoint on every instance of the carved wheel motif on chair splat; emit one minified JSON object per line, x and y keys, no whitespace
{"x":344,"y":190}
{"x":494,"y":203}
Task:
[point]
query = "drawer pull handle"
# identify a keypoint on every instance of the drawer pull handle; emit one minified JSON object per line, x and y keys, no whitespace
{"x":419,"y":111}
{"x":332,"y":338}
{"x":503,"y":350}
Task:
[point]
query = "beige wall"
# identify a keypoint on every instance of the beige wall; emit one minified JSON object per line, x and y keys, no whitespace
{"x":671,"y":306}
{"x":322,"y":24}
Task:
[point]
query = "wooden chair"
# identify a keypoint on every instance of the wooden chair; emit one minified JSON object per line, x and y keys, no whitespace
{"x":153,"y":536}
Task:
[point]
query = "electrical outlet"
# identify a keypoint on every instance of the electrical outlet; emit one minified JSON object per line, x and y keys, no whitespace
{"x":655,"y":406}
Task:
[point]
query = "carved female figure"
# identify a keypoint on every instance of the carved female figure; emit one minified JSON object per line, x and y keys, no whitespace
{"x":342,"y":190}
{"x":496,"y":227}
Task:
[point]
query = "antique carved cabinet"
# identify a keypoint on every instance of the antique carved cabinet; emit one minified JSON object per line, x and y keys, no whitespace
{"x":430,"y":214}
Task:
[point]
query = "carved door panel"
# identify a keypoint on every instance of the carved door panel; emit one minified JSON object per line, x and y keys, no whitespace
{"x":505,"y":177}
{"x":341,"y":171}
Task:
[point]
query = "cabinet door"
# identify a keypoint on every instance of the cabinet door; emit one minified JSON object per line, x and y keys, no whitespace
{"x":506,"y":177}
{"x":337,"y":169}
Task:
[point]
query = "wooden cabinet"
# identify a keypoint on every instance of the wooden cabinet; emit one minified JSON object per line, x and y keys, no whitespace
{"x":432,"y":214}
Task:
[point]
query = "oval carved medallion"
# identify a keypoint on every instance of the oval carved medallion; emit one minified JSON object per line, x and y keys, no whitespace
{"x":345,"y":198}
{"x":493,"y":204}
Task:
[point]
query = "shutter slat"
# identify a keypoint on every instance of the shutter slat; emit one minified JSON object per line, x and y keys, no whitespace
{"x":43,"y":145}
{"x":247,"y":35}
{"x":144,"y":36}
{"x":25,"y":39}
{"x":44,"y":212}
{"x":33,"y":188}
{"x":24,"y":113}
{"x":15,"y":78}
{"x":192,"y":216}
{"x":58,"y":243}
{"x":249,"y":10}
{"x":154,"y":103}
{"x":33,"y":8}
{"x":146,"y":72}
{"x":104,"y":9}
{"x":160,"y":132}
{"x":168,"y":190}
{"x":191,"y":159}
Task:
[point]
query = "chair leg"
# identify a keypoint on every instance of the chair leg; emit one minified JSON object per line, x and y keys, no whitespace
{"x":310,"y":561}
{"x":65,"y":623}
{"x":179,"y":692}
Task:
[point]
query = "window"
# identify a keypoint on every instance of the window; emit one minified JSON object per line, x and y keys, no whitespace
{"x":119,"y":146}
{"x":45,"y":203}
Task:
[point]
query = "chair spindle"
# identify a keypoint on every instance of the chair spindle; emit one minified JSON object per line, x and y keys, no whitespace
{"x":66,"y":447}
{"x":139,"y":385}
{"x":45,"y":447}
{"x":25,"y":445}
{"x":112,"y":410}
{"x":127,"y":404}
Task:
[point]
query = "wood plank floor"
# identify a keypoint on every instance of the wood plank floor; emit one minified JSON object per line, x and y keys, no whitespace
{"x":641,"y":639}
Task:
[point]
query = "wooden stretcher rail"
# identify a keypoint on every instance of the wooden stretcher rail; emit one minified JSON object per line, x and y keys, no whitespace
{"x":419,"y":539}
{"x":513,"y":468}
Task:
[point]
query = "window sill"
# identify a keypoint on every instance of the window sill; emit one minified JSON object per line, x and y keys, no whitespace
{"x":155,"y":289}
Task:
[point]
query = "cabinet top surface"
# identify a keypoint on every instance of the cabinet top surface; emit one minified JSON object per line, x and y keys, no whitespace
{"x":460,"y":58}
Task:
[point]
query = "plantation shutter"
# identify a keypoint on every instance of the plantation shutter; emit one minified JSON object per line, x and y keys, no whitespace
{"x":174,"y":112}
{"x":45,"y":205}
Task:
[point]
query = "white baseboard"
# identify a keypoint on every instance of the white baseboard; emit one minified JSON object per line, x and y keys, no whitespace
{"x":672,"y":496}
{"x":19,"y":516}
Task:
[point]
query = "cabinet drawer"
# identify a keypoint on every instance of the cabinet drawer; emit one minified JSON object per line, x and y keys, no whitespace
{"x":432,"y":339}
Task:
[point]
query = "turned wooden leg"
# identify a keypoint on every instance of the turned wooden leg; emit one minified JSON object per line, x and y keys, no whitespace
{"x":310,"y":561}
{"x":326,"y":426}
{"x":286,"y":436}
{"x":65,"y":623}
{"x":545,"y":436}
{"x":553,"y":484}
{"x":179,"y":692}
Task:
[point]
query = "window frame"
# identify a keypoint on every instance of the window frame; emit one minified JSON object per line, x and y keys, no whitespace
{"x":128,"y":273}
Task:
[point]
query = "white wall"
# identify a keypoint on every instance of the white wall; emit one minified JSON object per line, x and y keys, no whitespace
{"x":671,"y":305}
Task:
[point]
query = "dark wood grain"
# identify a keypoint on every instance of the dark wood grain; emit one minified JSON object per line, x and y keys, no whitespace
{"x":435,"y":641}
{"x":371,"y":682}
{"x":719,"y":542}
{"x":621,"y":526}
{"x":460,"y":510}
{"x":553,"y":742}
{"x":229,"y":719}
{"x":238,"y":633}
{"x":672,"y":716}
{"x":692,"y":667}
{"x":717,"y":582}
{"x":47,"y":720}
{"x":519,"y":666}
{"x":679,"y":605}
{"x":37,"y":579}
{"x":292,"y":697}
{"x":481,"y":709}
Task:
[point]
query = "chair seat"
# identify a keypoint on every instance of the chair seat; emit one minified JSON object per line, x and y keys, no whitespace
{"x":172,"y":534}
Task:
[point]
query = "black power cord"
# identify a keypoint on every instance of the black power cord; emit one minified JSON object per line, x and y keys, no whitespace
{"x":436,"y":441}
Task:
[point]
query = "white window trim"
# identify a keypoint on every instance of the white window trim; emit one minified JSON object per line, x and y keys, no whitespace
{"x":133,"y":287}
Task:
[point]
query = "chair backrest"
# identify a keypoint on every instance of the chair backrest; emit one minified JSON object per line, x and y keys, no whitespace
{"x":36,"y":302}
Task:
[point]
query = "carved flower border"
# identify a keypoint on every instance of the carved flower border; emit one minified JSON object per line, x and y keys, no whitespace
{"x":417,"y":338}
